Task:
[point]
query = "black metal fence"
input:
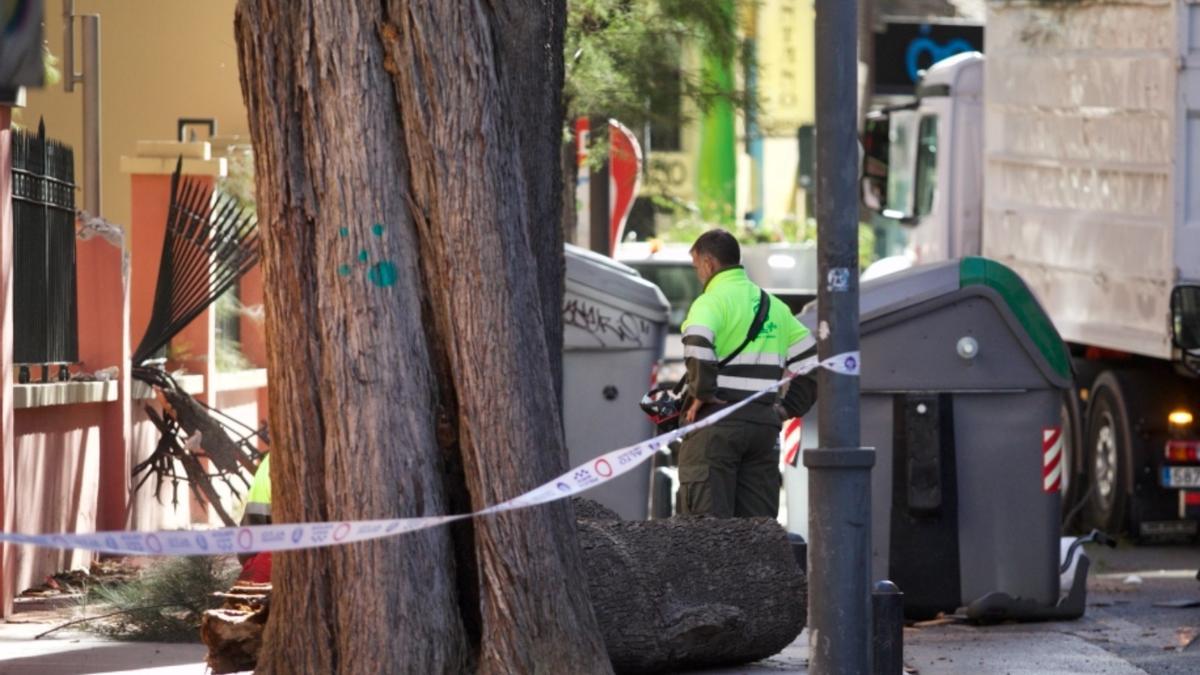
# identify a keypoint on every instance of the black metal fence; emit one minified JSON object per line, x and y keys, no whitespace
{"x":45,"y":316}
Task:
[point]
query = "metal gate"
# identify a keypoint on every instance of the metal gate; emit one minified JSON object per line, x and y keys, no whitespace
{"x":45,"y":315}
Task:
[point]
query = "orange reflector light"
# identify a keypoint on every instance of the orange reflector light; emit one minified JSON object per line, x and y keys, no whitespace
{"x":1180,"y":418}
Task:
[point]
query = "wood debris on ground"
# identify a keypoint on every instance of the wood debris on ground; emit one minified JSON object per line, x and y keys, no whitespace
{"x":73,"y":582}
{"x":942,"y":619}
{"x":233,"y":632}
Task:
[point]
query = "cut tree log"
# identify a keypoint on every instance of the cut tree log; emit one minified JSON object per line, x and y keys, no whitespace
{"x":586,"y":509}
{"x":669,"y":594}
{"x":234,"y":632}
{"x":689,"y":592}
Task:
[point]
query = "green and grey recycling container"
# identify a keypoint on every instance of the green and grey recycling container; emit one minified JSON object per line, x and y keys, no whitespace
{"x":614,"y":329}
{"x":962,"y":382}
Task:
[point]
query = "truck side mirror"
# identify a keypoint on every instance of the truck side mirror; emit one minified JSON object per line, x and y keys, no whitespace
{"x":1185,"y":317}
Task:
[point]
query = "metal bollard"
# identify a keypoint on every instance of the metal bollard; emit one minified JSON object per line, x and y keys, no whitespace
{"x":660,"y":494}
{"x":887,"y":619}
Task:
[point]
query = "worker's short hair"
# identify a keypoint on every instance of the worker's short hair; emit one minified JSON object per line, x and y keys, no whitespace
{"x":719,"y":244}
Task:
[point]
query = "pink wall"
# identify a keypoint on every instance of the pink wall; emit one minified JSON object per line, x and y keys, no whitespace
{"x":57,"y":480}
{"x":103,"y":301}
{"x":253,"y":340}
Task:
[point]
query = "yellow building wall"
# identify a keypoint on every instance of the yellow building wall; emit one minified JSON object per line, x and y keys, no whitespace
{"x":787,"y":85}
{"x":786,"y":70}
{"x":160,"y":60}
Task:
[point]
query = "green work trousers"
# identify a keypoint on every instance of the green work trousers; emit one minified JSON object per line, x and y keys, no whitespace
{"x":730,"y":469}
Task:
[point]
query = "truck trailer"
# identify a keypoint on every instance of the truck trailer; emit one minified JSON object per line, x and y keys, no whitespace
{"x":1071,"y":154}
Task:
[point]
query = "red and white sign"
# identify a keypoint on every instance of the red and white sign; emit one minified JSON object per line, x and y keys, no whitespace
{"x":793,"y":432}
{"x":582,"y":192}
{"x":1052,"y":452}
{"x":624,"y":178}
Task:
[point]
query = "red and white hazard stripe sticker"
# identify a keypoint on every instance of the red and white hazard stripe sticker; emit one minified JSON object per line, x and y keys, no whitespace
{"x":1052,"y":447}
{"x":793,"y":431}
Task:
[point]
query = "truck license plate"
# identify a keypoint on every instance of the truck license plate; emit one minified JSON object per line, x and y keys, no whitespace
{"x":1181,"y":476}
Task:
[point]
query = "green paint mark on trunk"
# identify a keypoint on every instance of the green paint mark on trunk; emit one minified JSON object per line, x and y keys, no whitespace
{"x":382,"y":274}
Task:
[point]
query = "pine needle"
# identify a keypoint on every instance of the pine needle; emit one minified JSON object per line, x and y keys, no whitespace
{"x":167,"y":602}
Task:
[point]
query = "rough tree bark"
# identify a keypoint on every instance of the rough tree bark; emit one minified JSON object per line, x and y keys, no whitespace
{"x":669,"y":594}
{"x":408,"y":191}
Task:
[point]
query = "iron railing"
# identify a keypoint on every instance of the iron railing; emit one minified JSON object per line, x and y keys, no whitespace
{"x":45,"y":314}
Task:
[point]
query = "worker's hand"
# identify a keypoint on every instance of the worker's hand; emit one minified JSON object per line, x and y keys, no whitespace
{"x":784,"y":415}
{"x":694,"y":407}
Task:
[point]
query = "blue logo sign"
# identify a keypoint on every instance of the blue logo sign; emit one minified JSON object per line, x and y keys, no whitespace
{"x":934,"y":51}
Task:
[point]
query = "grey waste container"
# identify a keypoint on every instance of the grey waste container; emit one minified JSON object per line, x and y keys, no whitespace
{"x":614,"y":327}
{"x":962,"y":382}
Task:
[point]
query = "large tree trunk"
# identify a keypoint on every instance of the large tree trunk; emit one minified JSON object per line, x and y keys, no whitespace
{"x":408,"y":185}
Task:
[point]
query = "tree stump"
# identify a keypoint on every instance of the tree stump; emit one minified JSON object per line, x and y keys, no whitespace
{"x":234,"y":632}
{"x":669,"y":594}
{"x":692,"y":592}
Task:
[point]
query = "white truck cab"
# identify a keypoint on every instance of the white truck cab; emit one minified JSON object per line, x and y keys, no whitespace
{"x":924,"y":164}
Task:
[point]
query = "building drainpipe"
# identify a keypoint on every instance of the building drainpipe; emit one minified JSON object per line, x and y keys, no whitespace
{"x":90,"y":79}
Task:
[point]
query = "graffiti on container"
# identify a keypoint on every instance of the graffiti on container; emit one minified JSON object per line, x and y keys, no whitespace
{"x":607,"y":328}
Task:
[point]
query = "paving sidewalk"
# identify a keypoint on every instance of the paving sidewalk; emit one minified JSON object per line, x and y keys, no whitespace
{"x":1026,"y":649}
{"x":1019,"y":649}
{"x":71,"y":653}
{"x":943,"y":650}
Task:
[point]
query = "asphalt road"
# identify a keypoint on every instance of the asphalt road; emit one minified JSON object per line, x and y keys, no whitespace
{"x":1122,"y":615}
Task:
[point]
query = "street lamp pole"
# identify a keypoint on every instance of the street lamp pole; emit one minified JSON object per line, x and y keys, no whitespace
{"x":839,"y":471}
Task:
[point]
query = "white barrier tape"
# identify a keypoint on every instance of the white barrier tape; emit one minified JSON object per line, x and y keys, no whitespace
{"x":287,"y":537}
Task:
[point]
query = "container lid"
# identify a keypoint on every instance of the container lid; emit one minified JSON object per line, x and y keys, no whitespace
{"x":914,"y":286}
{"x":1025,"y":307}
{"x":608,"y":277}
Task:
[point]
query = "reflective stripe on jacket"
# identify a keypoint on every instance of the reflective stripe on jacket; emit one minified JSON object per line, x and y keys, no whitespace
{"x":718,"y":321}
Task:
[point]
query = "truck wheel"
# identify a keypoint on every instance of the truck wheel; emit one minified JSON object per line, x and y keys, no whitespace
{"x":1108,"y":445}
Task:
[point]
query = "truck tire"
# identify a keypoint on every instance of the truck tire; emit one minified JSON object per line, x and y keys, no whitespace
{"x":1073,"y":480}
{"x":1109,"y":445}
